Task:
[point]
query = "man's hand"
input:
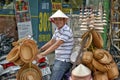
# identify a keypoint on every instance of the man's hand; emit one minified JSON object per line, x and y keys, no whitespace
{"x":39,"y":56}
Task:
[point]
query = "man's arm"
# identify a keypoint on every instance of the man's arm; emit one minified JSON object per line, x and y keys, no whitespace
{"x":47,"y":45}
{"x":52,"y":47}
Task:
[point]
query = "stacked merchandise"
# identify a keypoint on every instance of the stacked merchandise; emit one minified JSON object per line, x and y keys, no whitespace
{"x":22,"y":54}
{"x":99,"y":62}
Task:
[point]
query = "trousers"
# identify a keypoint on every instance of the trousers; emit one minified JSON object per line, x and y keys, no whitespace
{"x":59,"y":69}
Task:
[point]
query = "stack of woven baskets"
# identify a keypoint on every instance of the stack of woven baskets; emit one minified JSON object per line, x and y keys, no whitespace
{"x":22,"y":54}
{"x":96,"y":58}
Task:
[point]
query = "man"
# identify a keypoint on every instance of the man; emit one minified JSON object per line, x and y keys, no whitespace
{"x":62,"y":43}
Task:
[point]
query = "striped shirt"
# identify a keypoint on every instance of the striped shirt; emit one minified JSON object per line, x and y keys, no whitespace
{"x":63,"y":52}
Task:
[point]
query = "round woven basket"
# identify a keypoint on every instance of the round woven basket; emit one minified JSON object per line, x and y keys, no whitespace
{"x":28,"y":72}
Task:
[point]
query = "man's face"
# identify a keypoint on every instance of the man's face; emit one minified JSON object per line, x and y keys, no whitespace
{"x":59,"y":22}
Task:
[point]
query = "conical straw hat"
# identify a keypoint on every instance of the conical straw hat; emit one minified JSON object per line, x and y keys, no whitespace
{"x":87,"y":57}
{"x":13,"y":54}
{"x":19,"y":62}
{"x":98,"y":54}
{"x":81,"y":71}
{"x":100,"y":75}
{"x":107,"y":58}
{"x":98,"y":66}
{"x":97,"y":39}
{"x":29,"y":72}
{"x":113,"y":71}
{"x":58,"y":14}
{"x":27,"y":52}
{"x":33,"y":44}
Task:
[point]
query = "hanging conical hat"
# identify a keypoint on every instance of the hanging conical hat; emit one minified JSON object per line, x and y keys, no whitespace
{"x":87,"y":57}
{"x":99,"y":28}
{"x":33,"y":44}
{"x":107,"y":58}
{"x":29,"y":72}
{"x":100,"y":75}
{"x":98,"y":66}
{"x":81,"y":71}
{"x":27,"y":52}
{"x":13,"y":54}
{"x":99,"y":31}
{"x":58,"y":14}
{"x":19,"y":62}
{"x":113,"y":71}
{"x":98,"y":54}
{"x":97,"y":39}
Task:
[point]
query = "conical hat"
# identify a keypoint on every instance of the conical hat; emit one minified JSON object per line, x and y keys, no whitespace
{"x":26,"y":53}
{"x":58,"y":14}
{"x":87,"y":57}
{"x":19,"y":62}
{"x":113,"y":71}
{"x":97,"y":39}
{"x":107,"y":58}
{"x":28,"y":50}
{"x":13,"y":54}
{"x":81,"y":71}
{"x":33,"y":44}
{"x":98,"y":54}
{"x":99,"y":66}
{"x":29,"y":72}
{"x":100,"y":75}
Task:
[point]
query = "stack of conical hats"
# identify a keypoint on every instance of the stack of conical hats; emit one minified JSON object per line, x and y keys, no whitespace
{"x":90,"y":19}
{"x":22,"y":54}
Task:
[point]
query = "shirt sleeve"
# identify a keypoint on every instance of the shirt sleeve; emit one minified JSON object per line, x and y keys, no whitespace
{"x":65,"y":36}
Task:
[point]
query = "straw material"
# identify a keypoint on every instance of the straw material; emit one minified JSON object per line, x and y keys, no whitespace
{"x":85,"y":34}
{"x":81,"y":71}
{"x":100,"y":76}
{"x":13,"y":54}
{"x":97,"y":39}
{"x":19,"y":62}
{"x":28,"y":50}
{"x":113,"y":71}
{"x":18,"y":42}
{"x":29,"y":73}
{"x":99,"y":66}
{"x":87,"y":57}
{"x":88,"y":42}
{"x":58,"y":14}
{"x":98,"y":54}
{"x":107,"y":58}
{"x":34,"y":45}
{"x":26,"y":53}
{"x":73,"y":77}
